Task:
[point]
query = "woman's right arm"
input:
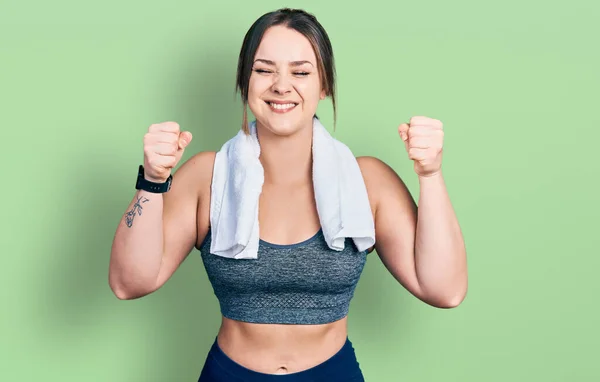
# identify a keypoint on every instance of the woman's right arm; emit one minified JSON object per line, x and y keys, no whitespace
{"x":158,"y":231}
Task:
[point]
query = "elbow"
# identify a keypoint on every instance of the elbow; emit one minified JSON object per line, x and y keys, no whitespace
{"x":119,"y":292}
{"x":450,"y":295}
{"x":446,"y":300}
{"x":452,"y":301}
{"x":123,"y":292}
{"x":126,"y":286}
{"x":116,"y":286}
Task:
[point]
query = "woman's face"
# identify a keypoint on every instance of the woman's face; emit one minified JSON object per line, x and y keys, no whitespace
{"x":285,"y":87}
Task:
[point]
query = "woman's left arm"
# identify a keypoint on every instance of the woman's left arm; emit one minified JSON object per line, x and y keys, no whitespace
{"x":423,"y":248}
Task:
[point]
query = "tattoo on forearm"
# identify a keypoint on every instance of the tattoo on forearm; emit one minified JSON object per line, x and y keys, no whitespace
{"x":137,"y":209}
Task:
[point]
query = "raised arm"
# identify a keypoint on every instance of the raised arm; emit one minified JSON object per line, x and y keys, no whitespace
{"x":423,"y":248}
{"x":158,"y":231}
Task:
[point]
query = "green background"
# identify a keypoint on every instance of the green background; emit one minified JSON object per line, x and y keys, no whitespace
{"x":515,"y":83}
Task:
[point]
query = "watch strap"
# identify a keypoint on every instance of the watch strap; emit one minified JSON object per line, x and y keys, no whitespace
{"x":157,"y":188}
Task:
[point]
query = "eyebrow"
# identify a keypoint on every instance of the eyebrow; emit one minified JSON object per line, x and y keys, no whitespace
{"x":292,"y":63}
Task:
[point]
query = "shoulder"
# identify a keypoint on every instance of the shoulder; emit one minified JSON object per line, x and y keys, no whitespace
{"x":376,"y":172}
{"x":370,"y":165}
{"x":196,"y":172}
{"x":203,"y":160}
{"x":381,"y":181}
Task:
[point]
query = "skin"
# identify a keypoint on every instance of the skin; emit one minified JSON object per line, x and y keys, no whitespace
{"x":422,"y":248}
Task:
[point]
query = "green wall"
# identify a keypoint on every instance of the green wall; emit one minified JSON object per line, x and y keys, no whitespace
{"x":515,"y":83}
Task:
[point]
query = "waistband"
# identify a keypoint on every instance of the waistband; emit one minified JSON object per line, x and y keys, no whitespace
{"x":342,"y":366}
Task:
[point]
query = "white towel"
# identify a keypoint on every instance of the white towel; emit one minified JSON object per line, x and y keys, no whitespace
{"x":340,"y":195}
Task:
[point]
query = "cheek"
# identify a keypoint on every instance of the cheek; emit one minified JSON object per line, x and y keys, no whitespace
{"x":309,"y":91}
{"x":252,"y":88}
{"x":257,"y":86}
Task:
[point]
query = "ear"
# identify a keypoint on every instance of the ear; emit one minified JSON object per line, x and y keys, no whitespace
{"x":323,"y":94}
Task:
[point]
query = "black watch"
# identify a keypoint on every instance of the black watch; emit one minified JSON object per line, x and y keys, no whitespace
{"x":146,"y":185}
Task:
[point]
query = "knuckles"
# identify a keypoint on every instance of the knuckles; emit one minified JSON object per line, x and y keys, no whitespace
{"x":169,"y":126}
{"x":421,"y":120}
{"x":424,"y":132}
{"x":153,"y":137}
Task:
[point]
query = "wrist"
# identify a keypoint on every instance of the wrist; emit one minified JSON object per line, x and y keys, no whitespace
{"x":152,"y":184}
{"x":155,"y":180}
{"x":434,"y":177}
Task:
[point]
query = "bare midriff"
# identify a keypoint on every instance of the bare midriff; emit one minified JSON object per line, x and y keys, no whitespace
{"x":281,"y":348}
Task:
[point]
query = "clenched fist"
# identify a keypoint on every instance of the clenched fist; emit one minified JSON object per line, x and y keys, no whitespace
{"x":163,"y":147}
{"x":423,"y":139}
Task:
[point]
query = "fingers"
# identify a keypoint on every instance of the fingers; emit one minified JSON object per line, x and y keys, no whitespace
{"x":164,"y":144}
{"x":161,"y":162}
{"x":420,"y":143}
{"x":178,"y":140}
{"x":170,"y":132}
{"x":418,"y":154}
{"x":403,"y":130}
{"x":421,"y":136}
{"x":423,"y":139}
{"x":426,"y":121}
{"x":184,"y":139}
{"x":164,"y":127}
{"x":426,"y":141}
{"x":161,"y":148}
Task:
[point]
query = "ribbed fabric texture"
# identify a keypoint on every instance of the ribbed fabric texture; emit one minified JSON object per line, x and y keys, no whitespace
{"x":303,"y":283}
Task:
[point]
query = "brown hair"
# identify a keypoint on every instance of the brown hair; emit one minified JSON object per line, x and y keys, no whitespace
{"x":302,"y":22}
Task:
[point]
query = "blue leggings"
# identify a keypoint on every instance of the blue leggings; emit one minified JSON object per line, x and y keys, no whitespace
{"x":341,"y":367}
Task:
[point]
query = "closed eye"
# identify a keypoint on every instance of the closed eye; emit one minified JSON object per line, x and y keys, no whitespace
{"x":263,"y":71}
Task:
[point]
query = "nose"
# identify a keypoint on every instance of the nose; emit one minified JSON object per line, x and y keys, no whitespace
{"x":281,"y":84}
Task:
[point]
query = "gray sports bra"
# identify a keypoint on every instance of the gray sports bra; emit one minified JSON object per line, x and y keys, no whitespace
{"x":303,"y":283}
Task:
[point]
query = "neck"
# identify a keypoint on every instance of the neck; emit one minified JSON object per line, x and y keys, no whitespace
{"x":287,"y":160}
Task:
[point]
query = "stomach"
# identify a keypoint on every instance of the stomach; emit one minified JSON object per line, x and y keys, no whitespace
{"x":280,"y":348}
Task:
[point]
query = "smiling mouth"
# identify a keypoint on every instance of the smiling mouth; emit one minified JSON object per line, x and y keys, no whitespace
{"x":281,"y":107}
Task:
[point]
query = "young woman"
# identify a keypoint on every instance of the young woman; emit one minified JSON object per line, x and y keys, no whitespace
{"x":285,"y":68}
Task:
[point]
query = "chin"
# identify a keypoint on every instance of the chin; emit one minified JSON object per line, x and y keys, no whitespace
{"x":283,"y":127}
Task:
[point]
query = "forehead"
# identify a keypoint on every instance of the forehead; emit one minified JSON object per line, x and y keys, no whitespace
{"x":283,"y":44}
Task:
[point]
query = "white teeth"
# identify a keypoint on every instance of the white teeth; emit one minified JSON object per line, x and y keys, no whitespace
{"x":282,"y":106}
